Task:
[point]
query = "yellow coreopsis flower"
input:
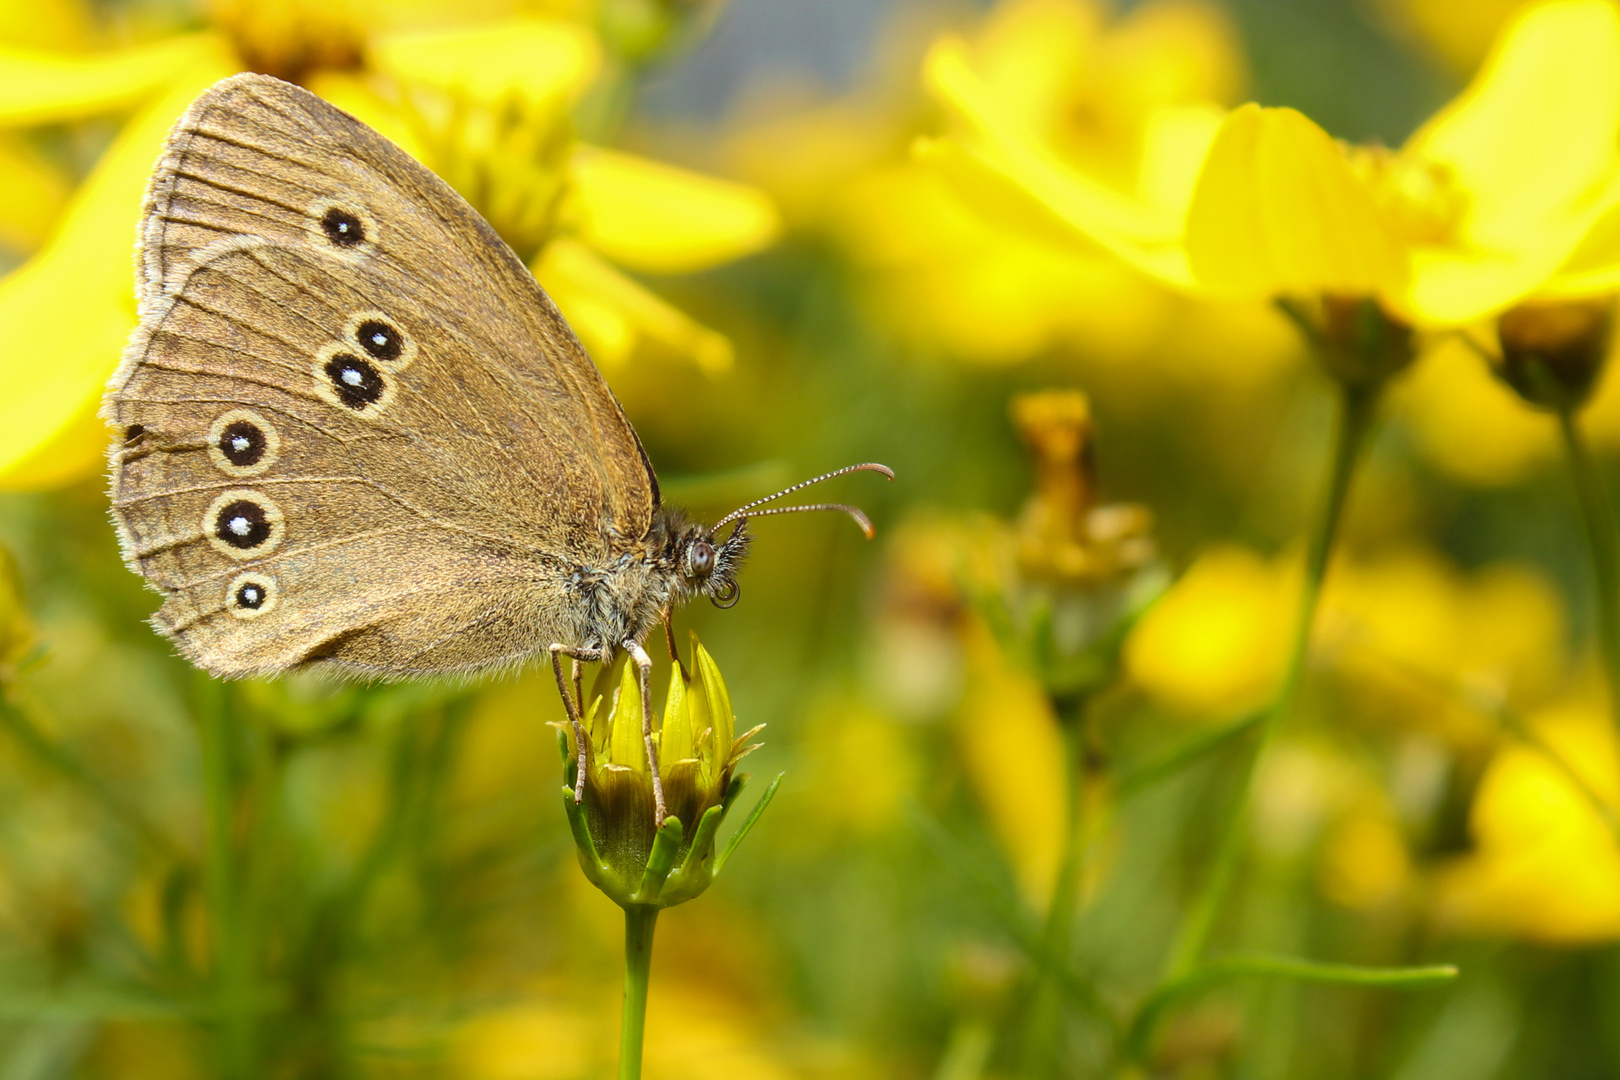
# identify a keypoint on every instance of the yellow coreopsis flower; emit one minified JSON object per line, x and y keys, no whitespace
{"x":474,"y":89}
{"x":1546,"y":862}
{"x":1480,"y":208}
{"x":1111,"y":88}
{"x":1405,"y":630}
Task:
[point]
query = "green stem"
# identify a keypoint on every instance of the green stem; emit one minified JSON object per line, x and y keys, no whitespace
{"x":1597,"y":513}
{"x":1044,"y":1030}
{"x":1357,"y":408}
{"x":639,"y":921}
{"x":232,"y":962}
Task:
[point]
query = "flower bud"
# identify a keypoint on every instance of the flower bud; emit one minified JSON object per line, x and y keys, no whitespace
{"x":1355,"y":339}
{"x":1084,"y":570}
{"x":1552,"y":353}
{"x":632,"y":859}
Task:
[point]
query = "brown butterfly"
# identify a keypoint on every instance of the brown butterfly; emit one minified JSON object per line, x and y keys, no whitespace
{"x":355,"y":432}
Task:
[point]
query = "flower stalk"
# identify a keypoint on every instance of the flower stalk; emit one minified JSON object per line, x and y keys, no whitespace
{"x":1603,"y":541}
{"x":641,"y":866}
{"x":1552,"y":354}
{"x":639,"y":923}
{"x":1361,"y":347}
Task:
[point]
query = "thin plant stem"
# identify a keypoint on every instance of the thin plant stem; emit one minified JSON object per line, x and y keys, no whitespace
{"x":639,"y":921}
{"x":1358,"y":406}
{"x":1044,"y":1031}
{"x":1597,"y":513}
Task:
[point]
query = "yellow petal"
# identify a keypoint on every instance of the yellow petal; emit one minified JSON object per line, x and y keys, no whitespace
{"x":1000,"y":162}
{"x":1532,"y":145}
{"x":540,"y":60}
{"x":654,"y":217}
{"x":1175,"y":144}
{"x":43,"y":87}
{"x":1278,"y":211}
{"x":1536,"y":131}
{"x":66,"y":313}
{"x":55,"y":24}
{"x":593,"y":295}
{"x":626,"y":746}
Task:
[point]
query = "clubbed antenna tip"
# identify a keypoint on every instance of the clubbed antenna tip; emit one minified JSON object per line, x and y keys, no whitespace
{"x":743,"y":512}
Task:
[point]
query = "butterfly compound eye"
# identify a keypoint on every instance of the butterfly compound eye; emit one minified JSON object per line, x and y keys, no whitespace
{"x":702,"y":558}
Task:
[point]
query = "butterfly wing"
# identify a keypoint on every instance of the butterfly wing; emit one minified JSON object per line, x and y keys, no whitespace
{"x":354,"y":428}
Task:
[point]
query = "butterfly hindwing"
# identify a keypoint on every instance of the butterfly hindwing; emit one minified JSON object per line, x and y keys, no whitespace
{"x":353,"y":427}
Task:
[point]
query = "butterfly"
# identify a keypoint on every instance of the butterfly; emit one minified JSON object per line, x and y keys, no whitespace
{"x":353,"y":432}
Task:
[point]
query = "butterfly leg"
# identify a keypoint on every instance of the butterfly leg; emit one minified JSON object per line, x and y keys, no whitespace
{"x":644,"y":678}
{"x":575,"y":654}
{"x":669,"y":640}
{"x":579,"y":686}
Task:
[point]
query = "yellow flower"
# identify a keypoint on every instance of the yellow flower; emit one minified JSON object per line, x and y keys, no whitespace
{"x":1113,"y":90}
{"x":621,"y":845}
{"x":1213,"y":644}
{"x":1409,"y":634}
{"x":472,"y":88}
{"x":1546,"y":865}
{"x":1012,"y":750}
{"x":1459,"y":224}
{"x":694,"y":1032}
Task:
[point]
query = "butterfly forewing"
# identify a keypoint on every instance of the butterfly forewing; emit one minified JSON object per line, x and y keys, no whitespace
{"x":353,"y":427}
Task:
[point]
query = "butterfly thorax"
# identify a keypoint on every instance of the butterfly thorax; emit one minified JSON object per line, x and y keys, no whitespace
{"x":675,"y":562}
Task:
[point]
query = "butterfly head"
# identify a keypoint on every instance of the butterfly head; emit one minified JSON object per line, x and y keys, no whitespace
{"x":709,"y":565}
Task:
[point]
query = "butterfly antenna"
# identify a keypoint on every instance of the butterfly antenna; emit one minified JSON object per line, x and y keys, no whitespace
{"x":860,"y":518}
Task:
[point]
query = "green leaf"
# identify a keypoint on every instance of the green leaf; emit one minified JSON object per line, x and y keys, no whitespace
{"x":1243,"y":965}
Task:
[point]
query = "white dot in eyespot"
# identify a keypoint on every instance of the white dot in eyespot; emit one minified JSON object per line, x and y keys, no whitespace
{"x":240,"y":444}
{"x":379,"y":340}
{"x":351,"y":376}
{"x":241,"y":526}
{"x":250,"y":595}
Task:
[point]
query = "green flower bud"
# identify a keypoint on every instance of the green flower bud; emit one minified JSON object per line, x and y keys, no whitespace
{"x":1552,"y":353}
{"x":621,"y":850}
{"x":1355,"y":339}
{"x":1082,"y":571}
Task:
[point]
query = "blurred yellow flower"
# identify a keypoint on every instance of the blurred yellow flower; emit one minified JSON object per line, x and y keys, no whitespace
{"x":476,"y":90}
{"x":1013,"y":753}
{"x":1365,"y":862}
{"x":1404,"y":628}
{"x":693,"y":1033}
{"x":1214,"y":644}
{"x":1546,"y":865}
{"x":839,"y":801}
{"x":1457,"y":225}
{"x":1494,"y":635}
{"x":1116,"y":91}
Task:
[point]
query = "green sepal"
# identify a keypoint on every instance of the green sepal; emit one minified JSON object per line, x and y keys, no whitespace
{"x":696,"y":871}
{"x":590,"y":860}
{"x":666,"y":845}
{"x":734,"y":789}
